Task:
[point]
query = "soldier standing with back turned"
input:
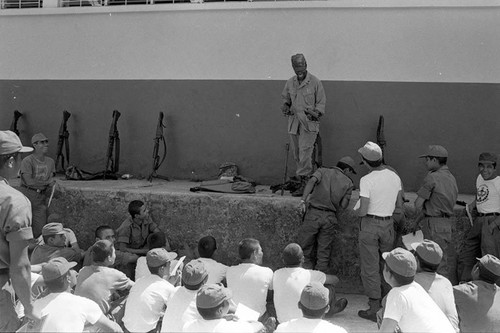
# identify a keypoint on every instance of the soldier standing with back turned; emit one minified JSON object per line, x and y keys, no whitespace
{"x":304,"y":103}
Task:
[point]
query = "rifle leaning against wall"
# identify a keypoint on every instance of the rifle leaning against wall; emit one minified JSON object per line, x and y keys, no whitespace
{"x":157,"y":161}
{"x":13,"y":125}
{"x":381,"y":137}
{"x":113,"y":154}
{"x":63,"y":141}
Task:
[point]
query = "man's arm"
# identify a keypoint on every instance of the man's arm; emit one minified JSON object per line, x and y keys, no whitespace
{"x":320,"y":100}
{"x":307,"y":190}
{"x":123,"y":247}
{"x":388,"y":325}
{"x":363,"y":206}
{"x":331,"y":279}
{"x":20,"y":274}
{"x":107,"y":325}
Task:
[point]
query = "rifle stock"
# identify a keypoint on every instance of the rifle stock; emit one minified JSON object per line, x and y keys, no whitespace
{"x":63,"y":141}
{"x":113,"y":145}
{"x":13,"y":125}
{"x":157,"y":162}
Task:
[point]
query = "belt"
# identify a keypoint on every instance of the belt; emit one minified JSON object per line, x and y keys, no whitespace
{"x":37,"y":190}
{"x":488,"y":214}
{"x":383,"y":218}
{"x":322,"y":209}
{"x":441,"y":215}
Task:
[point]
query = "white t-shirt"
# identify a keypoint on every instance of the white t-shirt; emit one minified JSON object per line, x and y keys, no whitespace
{"x":309,"y":325}
{"x":146,"y":303}
{"x":488,"y":195}
{"x":288,"y":284}
{"x":216,"y":270}
{"x":218,"y":325}
{"x":65,"y":312}
{"x":415,"y":311}
{"x":249,"y":284}
{"x":181,"y":310}
{"x":382,"y":188}
{"x":441,"y":291}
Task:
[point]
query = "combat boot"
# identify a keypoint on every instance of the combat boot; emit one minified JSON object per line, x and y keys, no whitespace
{"x":371,"y":313}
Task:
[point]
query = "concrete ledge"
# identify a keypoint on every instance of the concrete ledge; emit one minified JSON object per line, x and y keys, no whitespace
{"x":187,"y":216}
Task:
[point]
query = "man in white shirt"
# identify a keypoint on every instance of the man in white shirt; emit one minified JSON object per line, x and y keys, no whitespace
{"x":62,"y":311}
{"x":409,"y":307}
{"x":149,"y":296}
{"x":212,"y":303}
{"x":313,"y":303}
{"x":429,"y":256}
{"x":380,"y":194}
{"x":182,"y":306}
{"x":248,"y":281}
{"x":288,"y":283}
{"x":216,"y":271}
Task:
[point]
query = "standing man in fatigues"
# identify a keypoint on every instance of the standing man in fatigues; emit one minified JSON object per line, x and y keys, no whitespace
{"x":15,"y":234}
{"x":435,"y":202}
{"x":380,"y":193}
{"x":484,"y":236}
{"x":37,"y":179}
{"x":327,"y":191}
{"x":303,"y":103}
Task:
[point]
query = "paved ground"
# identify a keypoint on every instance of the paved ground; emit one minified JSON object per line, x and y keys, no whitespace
{"x":349,"y":319}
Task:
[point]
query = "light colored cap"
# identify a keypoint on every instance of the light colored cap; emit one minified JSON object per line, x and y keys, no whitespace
{"x":194,"y":272}
{"x":38,"y":137}
{"x":401,"y":261}
{"x":10,"y":144}
{"x":429,"y":251}
{"x":159,"y":257}
{"x":435,"y":151}
{"x":491,"y":263}
{"x":56,"y":268}
{"x":371,"y":151}
{"x":314,"y":296}
{"x":53,"y":228}
{"x":211,"y":295}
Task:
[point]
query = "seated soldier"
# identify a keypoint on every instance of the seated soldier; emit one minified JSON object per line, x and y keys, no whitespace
{"x":62,"y":311}
{"x":429,"y":255}
{"x":71,"y":240}
{"x":99,"y":282}
{"x":249,"y":282}
{"x":216,"y":271}
{"x":182,"y":306}
{"x":149,"y":296}
{"x":123,"y":259}
{"x":54,"y":237}
{"x":409,"y":306}
{"x":155,"y":241}
{"x":289,"y":282}
{"x":478,"y":301}
{"x":134,"y":231}
{"x":212,"y":303}
{"x":314,"y":304}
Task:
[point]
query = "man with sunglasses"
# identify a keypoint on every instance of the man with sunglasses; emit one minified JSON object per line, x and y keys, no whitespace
{"x":37,"y":179}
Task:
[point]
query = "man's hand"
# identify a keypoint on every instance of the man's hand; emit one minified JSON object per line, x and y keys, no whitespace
{"x":29,"y":313}
{"x":312,"y":115}
{"x":302,"y":207}
{"x":285,"y":109}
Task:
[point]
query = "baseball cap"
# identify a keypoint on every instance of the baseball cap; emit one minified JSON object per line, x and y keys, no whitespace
{"x":38,"y":137}
{"x":211,"y":295}
{"x":491,"y":263}
{"x":298,"y":60}
{"x":292,"y":254}
{"x":314,"y":296}
{"x":487,"y":158}
{"x":158,"y":257}
{"x":429,"y":251}
{"x":371,"y":151}
{"x":56,"y":268}
{"x":194,"y":272}
{"x":348,"y":161}
{"x":401,"y":261}
{"x":10,"y":144}
{"x":52,"y":228}
{"x":435,"y":151}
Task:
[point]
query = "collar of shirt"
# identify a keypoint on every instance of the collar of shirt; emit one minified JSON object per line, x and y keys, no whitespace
{"x":304,"y":82}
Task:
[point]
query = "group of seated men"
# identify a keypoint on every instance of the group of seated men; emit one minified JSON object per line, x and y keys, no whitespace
{"x":142,"y":286}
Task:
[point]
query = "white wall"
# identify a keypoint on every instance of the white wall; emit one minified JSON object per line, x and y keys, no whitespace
{"x":384,"y":40}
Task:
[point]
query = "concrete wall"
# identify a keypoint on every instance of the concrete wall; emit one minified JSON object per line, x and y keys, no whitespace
{"x":217,"y":70}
